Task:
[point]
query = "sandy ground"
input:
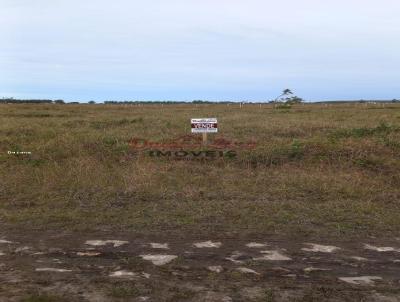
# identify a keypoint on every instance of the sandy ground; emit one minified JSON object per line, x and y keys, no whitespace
{"x":134,"y":267}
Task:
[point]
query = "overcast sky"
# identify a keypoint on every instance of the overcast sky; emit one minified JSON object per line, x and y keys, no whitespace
{"x":199,"y":49}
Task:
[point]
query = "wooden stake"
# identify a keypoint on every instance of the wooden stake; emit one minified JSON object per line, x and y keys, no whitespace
{"x":204,"y":138}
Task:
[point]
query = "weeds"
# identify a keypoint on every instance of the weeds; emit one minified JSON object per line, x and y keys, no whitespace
{"x":335,"y":168}
{"x":115,"y":123}
{"x":43,"y":298}
{"x":382,"y":129}
{"x":180,"y":294}
{"x":124,"y":291}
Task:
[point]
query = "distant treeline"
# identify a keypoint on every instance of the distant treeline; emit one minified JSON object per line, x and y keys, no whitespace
{"x":33,"y":101}
{"x":169,"y":102}
{"x":40,"y":101}
{"x":17,"y":101}
{"x":358,"y":101}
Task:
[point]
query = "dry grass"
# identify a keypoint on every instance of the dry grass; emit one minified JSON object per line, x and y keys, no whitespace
{"x":315,"y":170}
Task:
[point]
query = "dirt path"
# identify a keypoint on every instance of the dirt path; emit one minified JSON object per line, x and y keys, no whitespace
{"x":127,"y":267}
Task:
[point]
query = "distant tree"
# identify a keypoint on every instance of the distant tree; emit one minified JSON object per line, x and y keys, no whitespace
{"x":59,"y":102}
{"x":200,"y":102}
{"x":285,"y":92}
{"x":92,"y":102}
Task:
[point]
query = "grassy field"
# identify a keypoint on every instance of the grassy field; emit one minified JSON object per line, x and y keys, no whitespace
{"x":316,"y":170}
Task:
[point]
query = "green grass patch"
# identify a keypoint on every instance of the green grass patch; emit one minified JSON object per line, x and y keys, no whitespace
{"x":318,"y":170}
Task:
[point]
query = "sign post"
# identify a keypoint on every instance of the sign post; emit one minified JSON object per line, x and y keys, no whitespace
{"x":204,"y":138}
{"x":204,"y":126}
